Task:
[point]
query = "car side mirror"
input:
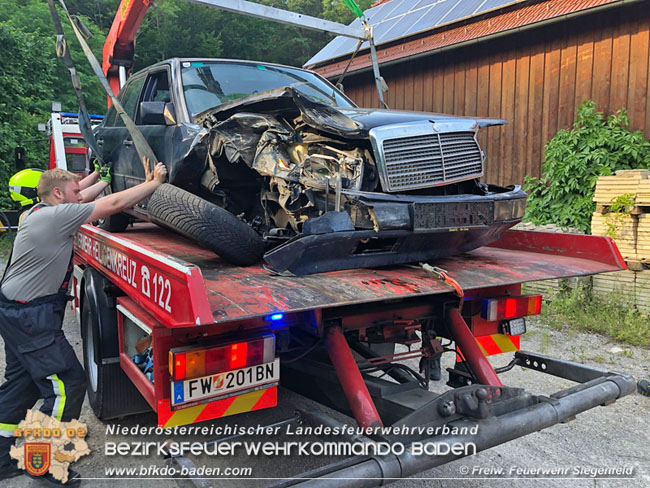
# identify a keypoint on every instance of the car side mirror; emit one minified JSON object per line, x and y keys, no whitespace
{"x":157,"y":113}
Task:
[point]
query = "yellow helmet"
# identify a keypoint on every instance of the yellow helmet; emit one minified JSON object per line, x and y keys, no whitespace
{"x":22,"y":186}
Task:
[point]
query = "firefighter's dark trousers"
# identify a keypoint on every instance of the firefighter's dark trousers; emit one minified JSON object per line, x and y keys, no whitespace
{"x":40,"y":364}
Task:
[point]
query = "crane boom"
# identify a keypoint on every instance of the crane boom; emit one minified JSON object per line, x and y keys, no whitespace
{"x":119,"y":48}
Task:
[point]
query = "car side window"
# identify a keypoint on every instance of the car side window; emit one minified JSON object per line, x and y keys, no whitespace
{"x":130,"y":99}
{"x":109,"y":119}
{"x":157,"y":89}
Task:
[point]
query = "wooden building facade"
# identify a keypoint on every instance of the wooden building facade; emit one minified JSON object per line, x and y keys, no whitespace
{"x":534,"y":78}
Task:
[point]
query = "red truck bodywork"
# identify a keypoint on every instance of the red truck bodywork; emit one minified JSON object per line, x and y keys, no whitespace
{"x":172,"y":286}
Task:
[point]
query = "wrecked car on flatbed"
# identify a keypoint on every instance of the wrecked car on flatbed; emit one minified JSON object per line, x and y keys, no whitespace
{"x":273,"y":160}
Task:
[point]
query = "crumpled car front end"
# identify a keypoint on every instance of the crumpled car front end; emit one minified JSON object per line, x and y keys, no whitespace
{"x":334,"y":188}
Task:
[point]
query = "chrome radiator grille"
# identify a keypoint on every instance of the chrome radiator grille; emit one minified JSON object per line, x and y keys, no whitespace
{"x":430,"y":159}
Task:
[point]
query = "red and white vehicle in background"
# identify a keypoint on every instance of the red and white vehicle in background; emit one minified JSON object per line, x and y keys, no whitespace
{"x":68,"y":149}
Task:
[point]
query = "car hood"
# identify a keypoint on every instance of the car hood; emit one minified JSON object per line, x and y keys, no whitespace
{"x":370,"y":118}
{"x":349,"y":122}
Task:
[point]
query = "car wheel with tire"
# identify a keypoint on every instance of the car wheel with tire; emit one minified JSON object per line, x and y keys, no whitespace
{"x":114,"y":223}
{"x":206,"y":223}
{"x":111,"y":393}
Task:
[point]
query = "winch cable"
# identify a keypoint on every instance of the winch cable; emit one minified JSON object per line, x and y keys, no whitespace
{"x":63,"y":53}
{"x":141,"y":145}
{"x":443,"y":275}
{"x":345,"y":71}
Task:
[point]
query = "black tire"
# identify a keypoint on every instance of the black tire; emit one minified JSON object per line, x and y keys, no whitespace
{"x":114,"y":223}
{"x":110,"y":392}
{"x":206,"y":223}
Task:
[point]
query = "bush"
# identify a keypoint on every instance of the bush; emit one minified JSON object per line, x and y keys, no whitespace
{"x":613,"y":316}
{"x":573,"y":161}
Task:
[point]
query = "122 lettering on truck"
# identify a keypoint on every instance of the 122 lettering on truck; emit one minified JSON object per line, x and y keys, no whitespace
{"x":193,"y":338}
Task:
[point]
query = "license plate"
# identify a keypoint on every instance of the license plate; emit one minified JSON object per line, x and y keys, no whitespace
{"x":452,"y":214}
{"x":226,"y":383}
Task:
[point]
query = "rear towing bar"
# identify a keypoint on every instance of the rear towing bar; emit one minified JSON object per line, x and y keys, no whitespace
{"x":491,"y":415}
{"x":497,"y":414}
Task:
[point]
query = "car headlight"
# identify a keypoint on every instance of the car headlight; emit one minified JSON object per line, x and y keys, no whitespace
{"x":509,"y":209}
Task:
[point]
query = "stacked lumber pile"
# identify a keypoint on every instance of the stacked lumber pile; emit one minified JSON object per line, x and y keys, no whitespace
{"x":631,"y":230}
{"x":643,"y":237}
{"x":617,"y":284}
{"x":642,"y":291}
{"x":625,"y":233}
{"x":632,"y":287}
{"x":608,"y":188}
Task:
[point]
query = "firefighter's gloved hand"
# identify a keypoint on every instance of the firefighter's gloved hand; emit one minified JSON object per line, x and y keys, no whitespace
{"x":97,"y":166}
{"x":105,"y":174}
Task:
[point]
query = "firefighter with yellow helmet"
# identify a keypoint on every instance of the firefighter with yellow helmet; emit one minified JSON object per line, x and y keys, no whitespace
{"x":22,"y":185}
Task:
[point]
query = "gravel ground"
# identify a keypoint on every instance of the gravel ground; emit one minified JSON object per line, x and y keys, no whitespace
{"x":606,"y":437}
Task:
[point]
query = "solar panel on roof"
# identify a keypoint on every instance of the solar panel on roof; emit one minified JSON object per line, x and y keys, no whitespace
{"x":399,"y":18}
{"x":490,"y":4}
{"x":401,"y":8}
{"x":434,"y":15}
{"x":383,"y":31}
{"x":407,"y":23}
{"x":425,"y":3}
{"x":463,"y":9}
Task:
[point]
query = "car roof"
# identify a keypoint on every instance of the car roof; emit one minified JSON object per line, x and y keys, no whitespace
{"x":219,"y":60}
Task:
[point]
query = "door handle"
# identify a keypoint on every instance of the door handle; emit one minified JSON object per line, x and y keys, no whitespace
{"x":128,"y":142}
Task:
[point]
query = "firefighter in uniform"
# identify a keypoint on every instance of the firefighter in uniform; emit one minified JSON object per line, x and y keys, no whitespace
{"x":23,"y":185}
{"x":33,"y":293}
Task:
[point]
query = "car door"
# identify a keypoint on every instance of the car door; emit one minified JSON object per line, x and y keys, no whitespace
{"x":118,"y":143}
{"x":158,"y":135}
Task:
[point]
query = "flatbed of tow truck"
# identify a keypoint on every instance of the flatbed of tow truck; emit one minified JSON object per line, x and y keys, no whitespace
{"x":221,"y":292}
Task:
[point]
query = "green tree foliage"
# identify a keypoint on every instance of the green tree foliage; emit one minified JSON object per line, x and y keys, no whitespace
{"x":336,"y":10}
{"x":31,"y":77}
{"x":24,"y":79}
{"x":573,"y":161}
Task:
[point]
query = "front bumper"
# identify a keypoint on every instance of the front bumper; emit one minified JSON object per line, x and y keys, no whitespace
{"x":407,"y":229}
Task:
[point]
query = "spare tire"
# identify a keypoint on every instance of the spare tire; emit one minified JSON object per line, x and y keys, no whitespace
{"x":206,"y":223}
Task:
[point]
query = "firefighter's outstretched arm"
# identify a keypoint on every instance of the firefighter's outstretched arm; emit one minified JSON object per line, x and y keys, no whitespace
{"x":117,"y":202}
{"x":89,"y":180}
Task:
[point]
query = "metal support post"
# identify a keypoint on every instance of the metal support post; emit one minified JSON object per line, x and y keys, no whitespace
{"x":471,"y":351}
{"x":351,"y":380}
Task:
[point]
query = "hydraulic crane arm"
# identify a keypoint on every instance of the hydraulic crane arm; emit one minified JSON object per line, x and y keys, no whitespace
{"x":119,"y":48}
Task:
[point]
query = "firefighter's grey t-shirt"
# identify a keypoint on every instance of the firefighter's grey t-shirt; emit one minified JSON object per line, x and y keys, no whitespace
{"x":42,"y":250}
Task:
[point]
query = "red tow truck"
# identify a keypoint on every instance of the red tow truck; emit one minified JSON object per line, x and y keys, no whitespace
{"x":222,"y":338}
{"x":169,"y":327}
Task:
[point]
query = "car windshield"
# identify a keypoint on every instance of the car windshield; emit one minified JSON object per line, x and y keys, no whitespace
{"x":209,"y":84}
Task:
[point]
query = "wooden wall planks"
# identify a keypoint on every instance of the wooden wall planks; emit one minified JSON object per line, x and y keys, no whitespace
{"x":535,"y":80}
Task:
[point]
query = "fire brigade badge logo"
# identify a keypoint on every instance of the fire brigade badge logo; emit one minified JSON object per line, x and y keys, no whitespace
{"x":49,"y":445}
{"x":217,"y":381}
{"x":37,"y":458}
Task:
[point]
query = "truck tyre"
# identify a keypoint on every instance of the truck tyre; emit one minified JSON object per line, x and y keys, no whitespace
{"x":206,"y":223}
{"x":110,"y":392}
{"x":114,"y":223}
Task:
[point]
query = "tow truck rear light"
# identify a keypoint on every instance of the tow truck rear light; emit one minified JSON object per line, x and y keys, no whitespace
{"x":497,"y":309}
{"x":513,"y":327}
{"x":186,"y":363}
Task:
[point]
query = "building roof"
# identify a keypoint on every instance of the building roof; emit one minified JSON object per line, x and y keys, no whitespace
{"x":406,"y":27}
